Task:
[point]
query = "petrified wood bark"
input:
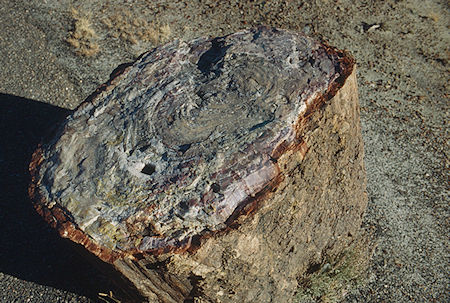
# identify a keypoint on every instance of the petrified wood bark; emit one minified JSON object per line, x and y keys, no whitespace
{"x":219,"y":169}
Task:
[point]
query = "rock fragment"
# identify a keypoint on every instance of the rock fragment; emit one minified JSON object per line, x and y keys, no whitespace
{"x":187,"y":156}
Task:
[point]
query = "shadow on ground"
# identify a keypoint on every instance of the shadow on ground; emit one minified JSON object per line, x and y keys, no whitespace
{"x":29,"y":249}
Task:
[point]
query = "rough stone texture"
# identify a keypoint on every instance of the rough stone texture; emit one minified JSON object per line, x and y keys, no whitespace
{"x":220,"y":169}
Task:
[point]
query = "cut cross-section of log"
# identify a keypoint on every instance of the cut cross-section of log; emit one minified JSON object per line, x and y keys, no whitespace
{"x":216,"y":168}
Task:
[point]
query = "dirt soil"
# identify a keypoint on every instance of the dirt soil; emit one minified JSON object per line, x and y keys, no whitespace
{"x":55,"y":53}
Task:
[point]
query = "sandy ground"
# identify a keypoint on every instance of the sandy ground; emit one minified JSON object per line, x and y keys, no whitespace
{"x":53,"y":54}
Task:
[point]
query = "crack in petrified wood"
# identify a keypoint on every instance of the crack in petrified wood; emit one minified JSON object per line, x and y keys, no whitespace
{"x":182,"y":138}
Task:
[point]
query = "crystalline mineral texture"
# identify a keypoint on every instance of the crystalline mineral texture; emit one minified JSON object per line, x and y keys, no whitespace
{"x":177,"y":145}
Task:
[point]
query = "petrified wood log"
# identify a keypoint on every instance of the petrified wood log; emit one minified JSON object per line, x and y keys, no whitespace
{"x":216,"y":169}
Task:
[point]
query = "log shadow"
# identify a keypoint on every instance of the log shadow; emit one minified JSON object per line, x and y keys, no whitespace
{"x":29,"y":249}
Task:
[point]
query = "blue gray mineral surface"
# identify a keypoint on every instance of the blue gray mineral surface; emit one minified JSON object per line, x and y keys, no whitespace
{"x":183,"y":137}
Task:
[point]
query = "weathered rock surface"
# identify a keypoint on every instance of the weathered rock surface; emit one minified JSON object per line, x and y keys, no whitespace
{"x":216,"y":168}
